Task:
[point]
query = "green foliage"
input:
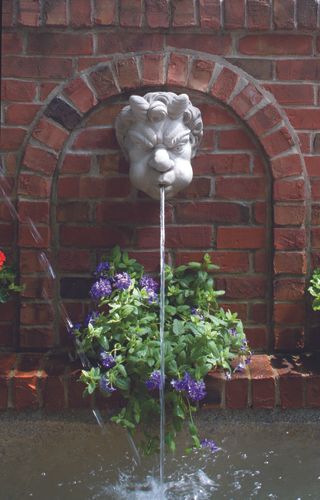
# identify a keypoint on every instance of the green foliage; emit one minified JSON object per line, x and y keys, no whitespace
{"x":314,"y":289}
{"x":7,"y":281}
{"x":199,"y":336}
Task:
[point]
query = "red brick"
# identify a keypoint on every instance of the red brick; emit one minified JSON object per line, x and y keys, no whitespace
{"x":127,"y":73}
{"x":3,"y":393}
{"x":92,"y":237}
{"x":228,"y":262}
{"x":277,"y":142}
{"x":36,"y":67}
{"x":240,"y":237}
{"x":307,"y":14}
{"x":6,"y":335}
{"x":50,"y":134}
{"x":315,"y":214}
{"x":303,"y":69}
{"x":7,"y":313}
{"x":157,"y":13}
{"x":213,"y":44}
{"x":291,"y":391}
{"x":237,"y":391}
{"x":53,"y":394}
{"x":258,"y":68}
{"x":250,"y":287}
{"x":21,"y":114}
{"x":291,"y":262}
{"x":243,"y":102}
{"x":264,"y":119}
{"x":315,"y":237}
{"x":212,"y":211}
{"x":215,"y":385}
{"x":304,"y":141}
{"x":153,"y":69}
{"x":289,"y":215}
{"x":37,"y":288}
{"x":29,"y":12}
{"x":286,"y":166}
{"x":131,"y":13}
{"x":6,"y":234}
{"x":103,"y":83}
{"x":289,"y":289}
{"x":284,"y":190}
{"x":55,"y":13}
{"x":39,"y":337}
{"x":15,"y":90}
{"x":289,"y":239}
{"x":38,"y":314}
{"x":80,"y":13}
{"x":8,"y":9}
{"x":259,"y":313}
{"x":262,"y":382}
{"x":11,"y":138}
{"x":25,"y":393}
{"x":304,"y":118}
{"x":258,"y":14}
{"x":26,"y":238}
{"x":38,"y":211}
{"x":235,"y":139}
{"x":30,"y":261}
{"x":289,"y":313}
{"x":7,"y":362}
{"x":289,"y":339}
{"x":143,"y":212}
{"x":34,"y":185}
{"x":105,"y":12}
{"x":231,"y":163}
{"x":74,"y":260}
{"x":260,"y":262}
{"x":241,"y":188}
{"x":12,"y":43}
{"x":313,"y":391}
{"x":210,"y":15}
{"x":273,"y":44}
{"x":234,"y":14}
{"x":257,"y":338}
{"x":96,"y":138}
{"x":65,"y":44}
{"x":183,"y":13}
{"x":224,"y":85}
{"x":291,"y":94}
{"x":214,"y":114}
{"x":73,"y":211}
{"x":283,"y":14}
{"x":76,"y":164}
{"x":315,"y":189}
{"x":200,"y":74}
{"x":39,"y":160}
{"x":45,"y":88}
{"x":176,"y":237}
{"x":178,"y":69}
{"x":106,"y":115}
{"x":80,"y":95}
{"x":131,"y":42}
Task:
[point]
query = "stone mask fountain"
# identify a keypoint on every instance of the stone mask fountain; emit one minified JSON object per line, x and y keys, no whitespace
{"x":159,"y":134}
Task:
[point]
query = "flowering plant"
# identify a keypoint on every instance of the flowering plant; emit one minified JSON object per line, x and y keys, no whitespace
{"x":7,"y":280}
{"x":314,"y":289}
{"x":121,"y":339}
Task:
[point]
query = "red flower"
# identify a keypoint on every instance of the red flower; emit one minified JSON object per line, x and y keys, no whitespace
{"x":2,"y":259}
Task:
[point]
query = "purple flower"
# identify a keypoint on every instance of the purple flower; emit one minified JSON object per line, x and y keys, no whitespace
{"x":195,"y":390}
{"x":71,"y":329}
{"x":90,"y":318}
{"x":107,"y":360}
{"x":196,"y":312}
{"x":122,"y":281}
{"x":154,"y":381}
{"x":182,"y":384}
{"x":105,"y":385}
{"x":100,"y":289}
{"x":232,"y":332}
{"x":102,"y":269}
{"x":240,"y":367}
{"x":151,"y":287}
{"x":211,"y":445}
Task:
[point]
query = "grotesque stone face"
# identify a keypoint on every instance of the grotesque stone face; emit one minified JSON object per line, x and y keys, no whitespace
{"x":159,"y":134}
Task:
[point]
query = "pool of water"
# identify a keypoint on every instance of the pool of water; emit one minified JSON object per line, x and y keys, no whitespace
{"x":72,"y":458}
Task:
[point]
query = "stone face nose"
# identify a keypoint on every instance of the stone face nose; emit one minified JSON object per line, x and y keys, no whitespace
{"x":161,"y":161}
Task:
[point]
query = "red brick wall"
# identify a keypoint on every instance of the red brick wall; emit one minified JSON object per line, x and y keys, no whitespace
{"x":252,"y":67}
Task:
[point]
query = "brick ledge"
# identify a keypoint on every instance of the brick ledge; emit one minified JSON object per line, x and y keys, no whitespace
{"x":32,"y":381}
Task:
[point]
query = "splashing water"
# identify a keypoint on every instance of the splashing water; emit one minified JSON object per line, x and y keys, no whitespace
{"x":162,"y":318}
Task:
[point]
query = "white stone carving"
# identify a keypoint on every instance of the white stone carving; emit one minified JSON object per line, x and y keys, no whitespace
{"x":159,"y":134}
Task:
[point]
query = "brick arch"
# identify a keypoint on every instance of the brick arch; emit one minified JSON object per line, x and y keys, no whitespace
{"x":193,"y":71}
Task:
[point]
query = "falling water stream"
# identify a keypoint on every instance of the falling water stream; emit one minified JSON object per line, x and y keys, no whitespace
{"x":162,"y":318}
